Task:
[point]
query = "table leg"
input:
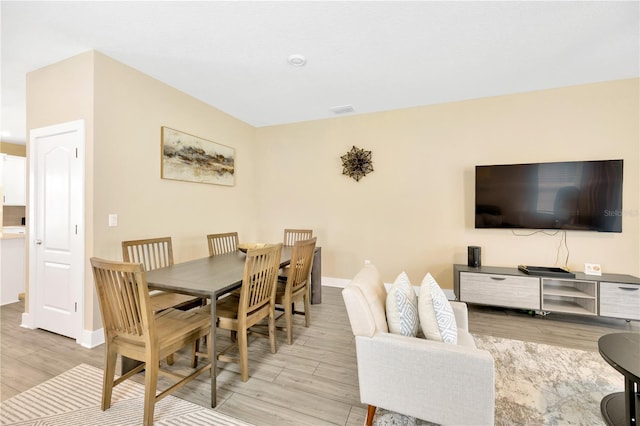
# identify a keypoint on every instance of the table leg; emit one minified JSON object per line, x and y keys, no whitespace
{"x":214,"y":359}
{"x":316,"y":277}
{"x":616,"y":411}
{"x":630,"y":403}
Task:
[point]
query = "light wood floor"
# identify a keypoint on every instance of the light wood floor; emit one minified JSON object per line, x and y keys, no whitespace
{"x":312,"y":382}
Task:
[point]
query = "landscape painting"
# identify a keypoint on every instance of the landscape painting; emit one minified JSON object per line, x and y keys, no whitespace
{"x":193,"y":159}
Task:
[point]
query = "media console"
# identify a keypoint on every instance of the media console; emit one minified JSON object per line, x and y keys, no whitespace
{"x":609,"y":295}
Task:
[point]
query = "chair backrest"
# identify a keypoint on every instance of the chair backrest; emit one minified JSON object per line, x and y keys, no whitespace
{"x":300,"y":266}
{"x":259,"y":279}
{"x":293,"y":235}
{"x":365,"y":298}
{"x":124,"y":300}
{"x":153,"y":253}
{"x":222,"y":243}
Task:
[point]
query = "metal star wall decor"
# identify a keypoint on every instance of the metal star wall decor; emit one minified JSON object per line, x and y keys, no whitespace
{"x":357,"y":163}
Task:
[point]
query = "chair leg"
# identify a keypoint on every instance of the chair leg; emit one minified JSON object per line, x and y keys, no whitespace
{"x":307,"y":310}
{"x":107,"y":381}
{"x":371,"y":411}
{"x":195,"y":347}
{"x":243,"y":344}
{"x":288,"y":315}
{"x":272,"y":330}
{"x":170,"y":359}
{"x":150,"y":385}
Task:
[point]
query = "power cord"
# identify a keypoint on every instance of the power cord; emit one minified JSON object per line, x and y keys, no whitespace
{"x":563,"y":241}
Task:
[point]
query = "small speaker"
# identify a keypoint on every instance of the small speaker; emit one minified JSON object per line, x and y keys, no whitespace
{"x":473,"y":255}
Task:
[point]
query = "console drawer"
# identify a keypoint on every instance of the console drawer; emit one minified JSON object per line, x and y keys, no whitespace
{"x":500,"y":290}
{"x":620,"y":300}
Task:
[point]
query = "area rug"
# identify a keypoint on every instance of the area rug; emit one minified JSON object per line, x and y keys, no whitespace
{"x":539,"y":384}
{"x":73,"y":399}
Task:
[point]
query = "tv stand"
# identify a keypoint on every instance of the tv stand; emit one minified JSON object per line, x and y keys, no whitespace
{"x":609,"y":295}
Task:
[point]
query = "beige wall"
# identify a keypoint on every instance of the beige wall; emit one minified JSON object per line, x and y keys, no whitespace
{"x":130,"y":110}
{"x":123,"y":159}
{"x":415,"y":211}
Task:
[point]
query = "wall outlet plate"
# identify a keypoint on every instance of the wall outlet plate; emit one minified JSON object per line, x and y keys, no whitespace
{"x":113,"y":219}
{"x":592,"y":269}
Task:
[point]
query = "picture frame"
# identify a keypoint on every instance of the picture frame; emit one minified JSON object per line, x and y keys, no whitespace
{"x":190,"y":158}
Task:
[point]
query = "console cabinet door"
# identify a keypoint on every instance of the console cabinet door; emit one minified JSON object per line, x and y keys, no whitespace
{"x":14,"y":180}
{"x":500,"y":290}
{"x":620,"y":300}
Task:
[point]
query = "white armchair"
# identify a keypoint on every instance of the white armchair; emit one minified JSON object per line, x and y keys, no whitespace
{"x":434,"y":381}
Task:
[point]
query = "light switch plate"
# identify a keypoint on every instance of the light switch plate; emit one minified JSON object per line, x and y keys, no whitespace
{"x":592,"y":269}
{"x":113,"y":219}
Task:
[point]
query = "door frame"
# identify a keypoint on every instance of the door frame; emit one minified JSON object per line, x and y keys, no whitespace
{"x":29,"y":319}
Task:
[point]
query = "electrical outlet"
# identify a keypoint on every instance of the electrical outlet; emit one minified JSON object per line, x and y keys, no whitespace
{"x":113,"y":219}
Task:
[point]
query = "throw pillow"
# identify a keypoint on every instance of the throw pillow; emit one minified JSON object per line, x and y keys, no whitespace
{"x":402,"y":307}
{"x":442,"y":310}
{"x":426,"y":313}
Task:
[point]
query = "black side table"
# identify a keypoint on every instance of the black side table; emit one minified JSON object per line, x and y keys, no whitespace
{"x":622,"y":351}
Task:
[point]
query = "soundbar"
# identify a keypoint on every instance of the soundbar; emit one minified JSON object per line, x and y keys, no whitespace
{"x":545,"y":271}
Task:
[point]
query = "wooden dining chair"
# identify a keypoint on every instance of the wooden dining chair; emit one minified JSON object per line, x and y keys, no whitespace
{"x":131,"y":329}
{"x":297,"y":285}
{"x":255,"y":302}
{"x":290,"y":238}
{"x":155,"y":253}
{"x":293,"y":235}
{"x":222,"y":243}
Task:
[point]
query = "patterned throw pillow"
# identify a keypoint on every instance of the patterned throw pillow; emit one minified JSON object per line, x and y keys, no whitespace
{"x":426,"y":313}
{"x":440,"y":306}
{"x":402,"y":307}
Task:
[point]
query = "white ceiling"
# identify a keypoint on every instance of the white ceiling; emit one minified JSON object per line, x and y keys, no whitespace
{"x":373,"y":55}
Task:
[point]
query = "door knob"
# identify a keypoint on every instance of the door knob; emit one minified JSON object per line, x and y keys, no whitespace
{"x":38,"y":242}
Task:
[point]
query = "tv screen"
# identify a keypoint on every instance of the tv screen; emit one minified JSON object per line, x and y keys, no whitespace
{"x":576,"y":195}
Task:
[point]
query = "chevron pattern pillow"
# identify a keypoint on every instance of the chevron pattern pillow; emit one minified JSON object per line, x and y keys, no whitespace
{"x":402,"y":307}
{"x":445,"y":319}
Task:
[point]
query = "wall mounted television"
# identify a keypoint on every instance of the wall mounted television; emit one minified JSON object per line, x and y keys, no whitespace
{"x":575,"y":195}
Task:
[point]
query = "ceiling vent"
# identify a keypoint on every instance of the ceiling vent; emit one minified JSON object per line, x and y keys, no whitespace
{"x":345,"y":109}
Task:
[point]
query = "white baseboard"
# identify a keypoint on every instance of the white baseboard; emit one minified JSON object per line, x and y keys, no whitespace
{"x":91,"y":339}
{"x":335,"y":282}
{"x":342,"y":283}
{"x":88,"y":339}
{"x":27,"y":321}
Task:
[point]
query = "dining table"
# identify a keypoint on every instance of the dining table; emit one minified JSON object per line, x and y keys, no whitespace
{"x":212,"y":277}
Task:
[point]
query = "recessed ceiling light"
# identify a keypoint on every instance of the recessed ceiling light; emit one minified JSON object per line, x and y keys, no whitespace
{"x":297,"y":60}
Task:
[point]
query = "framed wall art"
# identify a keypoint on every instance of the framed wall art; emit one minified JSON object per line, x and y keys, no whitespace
{"x":193,"y":159}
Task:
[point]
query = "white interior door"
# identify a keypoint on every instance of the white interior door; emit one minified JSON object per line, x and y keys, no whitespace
{"x":56,"y":260}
